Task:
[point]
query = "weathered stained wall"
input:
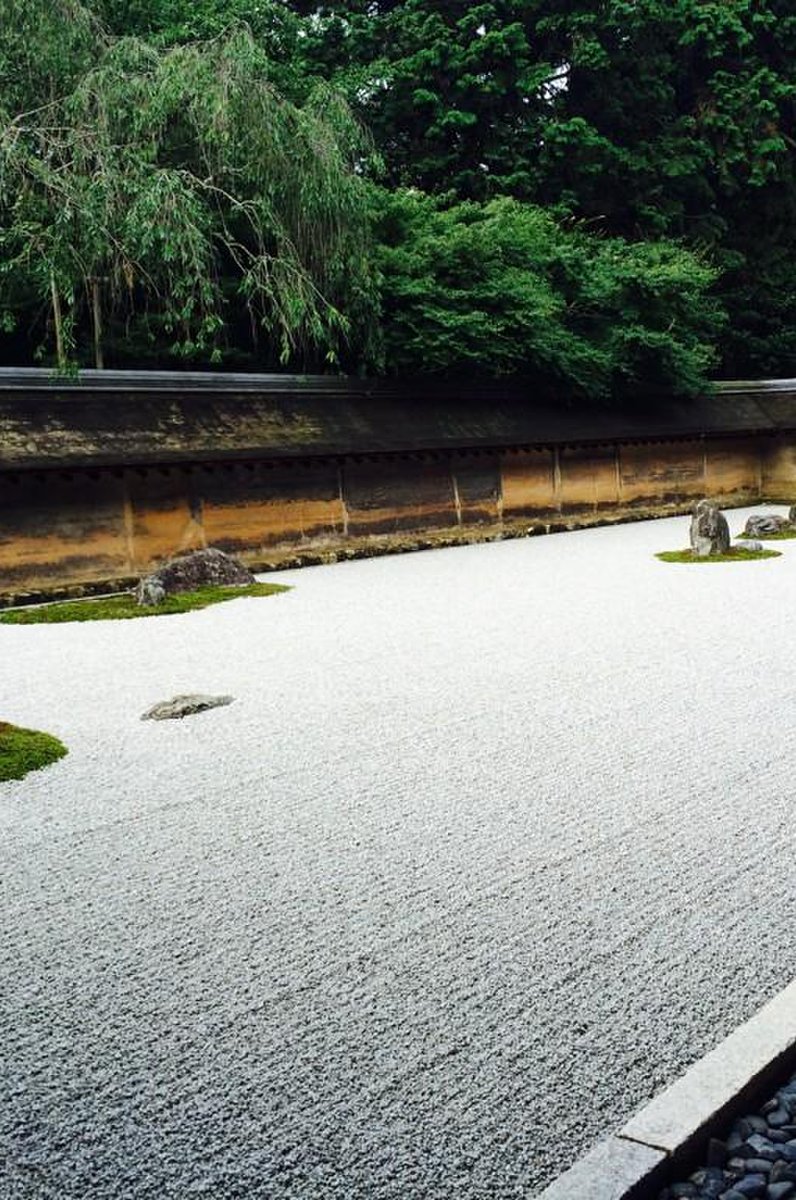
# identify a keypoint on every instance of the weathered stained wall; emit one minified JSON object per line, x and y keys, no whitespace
{"x":105,"y":475}
{"x":779,"y":470}
{"x":106,"y":524}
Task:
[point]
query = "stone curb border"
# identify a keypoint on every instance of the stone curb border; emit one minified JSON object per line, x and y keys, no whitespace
{"x":638,"y":1160}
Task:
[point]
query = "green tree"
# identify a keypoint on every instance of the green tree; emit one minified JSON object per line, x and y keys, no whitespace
{"x":648,"y":118}
{"x":273,"y":25}
{"x":452,"y":93}
{"x":179,"y":189}
{"x":164,"y":193}
{"x":43,"y":50}
{"x":679,"y":118}
{"x":501,"y":289}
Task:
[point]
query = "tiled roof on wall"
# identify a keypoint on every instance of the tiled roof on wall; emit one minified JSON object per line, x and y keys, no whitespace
{"x":134,"y":418}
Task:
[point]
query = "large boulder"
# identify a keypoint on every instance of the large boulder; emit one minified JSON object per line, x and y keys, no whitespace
{"x":187,"y":572}
{"x":710,"y":533}
{"x":764,"y":524}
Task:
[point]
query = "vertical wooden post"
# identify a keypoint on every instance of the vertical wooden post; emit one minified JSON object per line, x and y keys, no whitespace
{"x":129,"y":525}
{"x":557,"y":498}
{"x":762,"y":447}
{"x":341,"y":494}
{"x":618,"y":465}
{"x":457,"y":500}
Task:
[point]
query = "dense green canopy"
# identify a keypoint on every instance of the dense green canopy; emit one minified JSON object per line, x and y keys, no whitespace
{"x":175,"y":190}
{"x":501,"y":288}
{"x":590,"y":193}
{"x":648,"y":118}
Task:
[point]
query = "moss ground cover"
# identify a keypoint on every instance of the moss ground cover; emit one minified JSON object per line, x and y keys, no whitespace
{"x":25,"y":750}
{"x":784,"y":535}
{"x":734,"y":554}
{"x":124,"y":607}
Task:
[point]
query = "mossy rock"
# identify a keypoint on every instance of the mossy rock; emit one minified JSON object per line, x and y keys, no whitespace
{"x":734,"y":554}
{"x":26,"y":750}
{"x":125,"y":607}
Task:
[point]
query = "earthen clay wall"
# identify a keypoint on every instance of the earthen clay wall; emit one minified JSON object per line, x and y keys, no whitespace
{"x":82,"y":528}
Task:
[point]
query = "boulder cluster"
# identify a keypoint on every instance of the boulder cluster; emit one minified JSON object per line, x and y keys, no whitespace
{"x":710,"y":533}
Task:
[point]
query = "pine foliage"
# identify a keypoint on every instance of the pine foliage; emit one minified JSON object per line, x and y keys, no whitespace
{"x":597,"y":194}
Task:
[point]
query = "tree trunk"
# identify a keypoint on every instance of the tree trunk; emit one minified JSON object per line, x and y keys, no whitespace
{"x":59,"y":323}
{"x":99,"y":361}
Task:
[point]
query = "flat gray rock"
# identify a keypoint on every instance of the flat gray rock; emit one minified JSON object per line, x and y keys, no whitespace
{"x":184,"y":706}
{"x":755,"y":547}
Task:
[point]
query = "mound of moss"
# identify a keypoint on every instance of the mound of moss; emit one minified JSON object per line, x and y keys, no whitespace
{"x":734,"y":554}
{"x":26,"y":750}
{"x":124,"y":607}
{"x":784,"y":535}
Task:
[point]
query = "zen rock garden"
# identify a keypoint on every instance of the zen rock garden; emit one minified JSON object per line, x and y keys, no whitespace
{"x":711,"y":541}
{"x":197,"y":578}
{"x":342,"y":870}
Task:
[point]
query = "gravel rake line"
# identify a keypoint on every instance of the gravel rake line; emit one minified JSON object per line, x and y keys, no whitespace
{"x":448,"y":895}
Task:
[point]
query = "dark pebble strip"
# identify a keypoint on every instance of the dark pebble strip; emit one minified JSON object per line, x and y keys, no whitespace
{"x":756,"y":1162}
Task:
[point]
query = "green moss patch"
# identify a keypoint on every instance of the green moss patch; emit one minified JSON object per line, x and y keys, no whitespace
{"x":124,"y":607}
{"x":784,"y":535}
{"x":26,"y":750}
{"x":734,"y":554}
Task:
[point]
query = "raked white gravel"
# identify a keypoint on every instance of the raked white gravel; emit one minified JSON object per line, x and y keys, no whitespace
{"x":493,"y":842}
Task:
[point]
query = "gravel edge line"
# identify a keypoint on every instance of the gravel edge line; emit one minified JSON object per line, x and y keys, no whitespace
{"x":639,"y":1159}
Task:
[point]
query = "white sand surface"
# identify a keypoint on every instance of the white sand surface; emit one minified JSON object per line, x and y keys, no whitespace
{"x":492,"y":844}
